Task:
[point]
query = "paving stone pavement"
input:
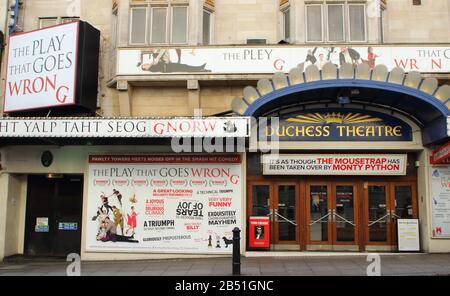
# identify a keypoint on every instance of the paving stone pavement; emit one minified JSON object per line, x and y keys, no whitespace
{"x":391,"y":265}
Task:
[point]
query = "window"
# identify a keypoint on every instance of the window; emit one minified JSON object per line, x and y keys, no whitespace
{"x":314,"y":31}
{"x":45,"y":22}
{"x":67,"y":19}
{"x":158,"y":25}
{"x":179,"y":24}
{"x":138,"y":24}
{"x":287,"y":24}
{"x":336,"y":22}
{"x":153,"y":25}
{"x":206,"y":27}
{"x":357,"y":20}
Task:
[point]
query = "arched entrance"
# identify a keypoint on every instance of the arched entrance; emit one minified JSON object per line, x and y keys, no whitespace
{"x":349,"y":146}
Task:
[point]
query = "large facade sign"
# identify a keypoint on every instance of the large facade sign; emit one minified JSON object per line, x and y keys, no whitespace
{"x":239,"y":59}
{"x":337,"y":125}
{"x":125,"y":128}
{"x":334,"y":164}
{"x":440,"y":201}
{"x":52,"y":67}
{"x":163,"y":203}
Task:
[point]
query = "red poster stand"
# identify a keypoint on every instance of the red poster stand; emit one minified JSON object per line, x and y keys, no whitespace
{"x":259,"y":232}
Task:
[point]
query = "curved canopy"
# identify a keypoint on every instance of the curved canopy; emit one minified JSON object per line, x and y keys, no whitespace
{"x":409,"y":94}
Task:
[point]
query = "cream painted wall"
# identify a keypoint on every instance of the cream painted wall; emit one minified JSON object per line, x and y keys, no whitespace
{"x":160,"y":101}
{"x":4,"y":181}
{"x":15,"y":218}
{"x":239,"y":20}
{"x":426,"y":23}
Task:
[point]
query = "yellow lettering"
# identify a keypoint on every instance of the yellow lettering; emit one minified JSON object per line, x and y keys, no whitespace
{"x":398,"y":131}
{"x":388,"y":131}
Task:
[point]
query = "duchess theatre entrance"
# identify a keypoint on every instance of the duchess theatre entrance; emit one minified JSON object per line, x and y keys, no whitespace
{"x":349,"y":214}
{"x":332,"y":213}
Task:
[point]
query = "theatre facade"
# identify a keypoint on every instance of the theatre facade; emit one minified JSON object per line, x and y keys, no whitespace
{"x":341,"y":156}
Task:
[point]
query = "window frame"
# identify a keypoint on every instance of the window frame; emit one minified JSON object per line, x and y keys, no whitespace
{"x":150,"y":26}
{"x":321,"y":21}
{"x":283,"y":13}
{"x":40,"y":19}
{"x":344,"y":35}
{"x":365,"y":23}
{"x":210,"y":33}
{"x":130,"y":42}
{"x":169,"y":23}
{"x":114,"y":28}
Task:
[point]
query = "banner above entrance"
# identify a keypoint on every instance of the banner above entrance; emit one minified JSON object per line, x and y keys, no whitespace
{"x":247,"y":60}
{"x":334,"y":164}
{"x":124,"y":127}
{"x":333,"y":124}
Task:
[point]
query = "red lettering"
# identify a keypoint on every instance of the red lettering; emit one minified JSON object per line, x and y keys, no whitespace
{"x":436,"y":64}
{"x":14,"y":88}
{"x":58,"y":95}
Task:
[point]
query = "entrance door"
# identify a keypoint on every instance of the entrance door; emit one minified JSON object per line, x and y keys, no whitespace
{"x":279,"y":201}
{"x":403,"y":205}
{"x":53,"y":223}
{"x":385,"y":203}
{"x":332,"y":215}
{"x":285,"y":214}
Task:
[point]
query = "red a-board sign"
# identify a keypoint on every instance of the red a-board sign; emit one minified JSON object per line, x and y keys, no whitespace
{"x":259,"y":232}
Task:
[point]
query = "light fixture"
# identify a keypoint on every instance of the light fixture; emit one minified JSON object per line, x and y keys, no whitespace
{"x":54,"y":176}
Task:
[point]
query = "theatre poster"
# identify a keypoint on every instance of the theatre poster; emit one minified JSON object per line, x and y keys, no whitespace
{"x":163,"y":203}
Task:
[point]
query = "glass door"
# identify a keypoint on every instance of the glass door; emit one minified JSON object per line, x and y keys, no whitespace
{"x":332,"y":214}
{"x":403,"y":205}
{"x":378,"y":227}
{"x":318,"y":214}
{"x":285,"y":213}
{"x":345,"y":214}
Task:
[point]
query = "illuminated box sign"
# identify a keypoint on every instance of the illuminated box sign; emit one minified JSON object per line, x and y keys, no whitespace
{"x":337,"y":125}
{"x":441,"y":155}
{"x":334,"y":164}
{"x":53,"y":67}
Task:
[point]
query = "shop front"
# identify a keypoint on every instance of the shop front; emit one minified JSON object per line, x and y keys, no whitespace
{"x":110,"y":189}
{"x":342,"y":157}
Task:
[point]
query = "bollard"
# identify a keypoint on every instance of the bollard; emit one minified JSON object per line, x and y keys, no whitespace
{"x":236,"y":251}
